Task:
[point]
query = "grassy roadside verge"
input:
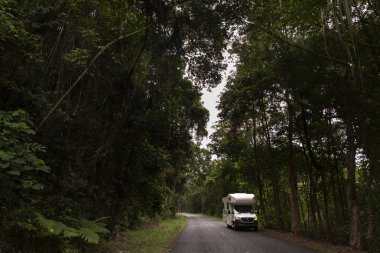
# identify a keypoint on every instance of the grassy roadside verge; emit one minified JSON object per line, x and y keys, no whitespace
{"x":154,"y":239}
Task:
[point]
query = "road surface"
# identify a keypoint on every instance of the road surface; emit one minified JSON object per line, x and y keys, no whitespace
{"x":203,"y":234}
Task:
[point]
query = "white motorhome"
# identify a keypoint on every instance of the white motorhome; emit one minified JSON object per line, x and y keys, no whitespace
{"x":238,"y":211}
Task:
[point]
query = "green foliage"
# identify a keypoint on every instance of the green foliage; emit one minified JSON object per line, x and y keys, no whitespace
{"x":87,"y":230}
{"x":22,"y":172}
{"x":119,"y":144}
{"x":77,"y":57}
{"x":315,"y":59}
{"x":18,"y":158}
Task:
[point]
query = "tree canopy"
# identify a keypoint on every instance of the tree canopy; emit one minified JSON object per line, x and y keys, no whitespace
{"x":101,"y":116}
{"x":294,"y":120}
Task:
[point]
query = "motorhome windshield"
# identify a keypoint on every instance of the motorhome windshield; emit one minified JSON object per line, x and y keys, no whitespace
{"x":243,"y":208}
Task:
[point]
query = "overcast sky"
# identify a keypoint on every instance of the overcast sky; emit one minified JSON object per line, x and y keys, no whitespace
{"x":211,"y":99}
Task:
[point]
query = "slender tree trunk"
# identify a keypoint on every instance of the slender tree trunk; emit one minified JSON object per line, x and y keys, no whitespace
{"x":257,"y":164}
{"x":311,"y":188}
{"x":320,"y":169}
{"x":353,"y":209}
{"x":339,"y":175}
{"x":337,"y":214}
{"x":326,"y":211}
{"x":337,"y":211}
{"x":314,"y":205}
{"x":274,"y":180}
{"x":292,"y":175}
{"x":311,"y":191}
{"x":370,"y":236}
{"x":115,"y":208}
{"x":306,"y":210}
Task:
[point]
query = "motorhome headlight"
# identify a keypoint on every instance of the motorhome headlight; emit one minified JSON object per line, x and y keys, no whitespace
{"x":238,"y":218}
{"x":254,"y":217}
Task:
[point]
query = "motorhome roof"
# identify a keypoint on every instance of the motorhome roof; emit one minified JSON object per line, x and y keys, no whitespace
{"x":240,"y":198}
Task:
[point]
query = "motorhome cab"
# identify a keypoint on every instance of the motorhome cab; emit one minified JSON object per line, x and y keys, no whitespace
{"x":238,"y":211}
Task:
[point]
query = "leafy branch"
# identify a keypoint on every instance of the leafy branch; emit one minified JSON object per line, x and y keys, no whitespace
{"x":57,"y":104}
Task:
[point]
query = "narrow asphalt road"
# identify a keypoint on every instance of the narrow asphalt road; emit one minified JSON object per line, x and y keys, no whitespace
{"x":203,"y":234}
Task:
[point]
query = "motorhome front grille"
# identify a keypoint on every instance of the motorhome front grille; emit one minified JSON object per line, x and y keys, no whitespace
{"x":247,"y":219}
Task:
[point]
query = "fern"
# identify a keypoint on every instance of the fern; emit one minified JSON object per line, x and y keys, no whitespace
{"x":70,"y":232}
{"x":52,"y":226}
{"x":89,"y":235}
{"x":94,"y":226}
{"x":87,"y":230}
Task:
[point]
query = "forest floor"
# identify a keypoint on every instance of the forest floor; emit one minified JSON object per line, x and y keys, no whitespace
{"x":317,"y":245}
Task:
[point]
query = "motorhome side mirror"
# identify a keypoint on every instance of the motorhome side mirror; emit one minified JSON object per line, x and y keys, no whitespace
{"x":229,"y":212}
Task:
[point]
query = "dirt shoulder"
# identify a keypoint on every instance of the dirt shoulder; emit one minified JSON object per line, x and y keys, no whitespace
{"x":320,"y":246}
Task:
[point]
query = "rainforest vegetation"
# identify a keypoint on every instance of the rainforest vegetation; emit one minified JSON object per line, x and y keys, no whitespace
{"x":101,"y":117}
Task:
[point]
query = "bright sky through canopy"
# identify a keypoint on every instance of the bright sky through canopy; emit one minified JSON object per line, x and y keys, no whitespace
{"x":211,"y":98}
